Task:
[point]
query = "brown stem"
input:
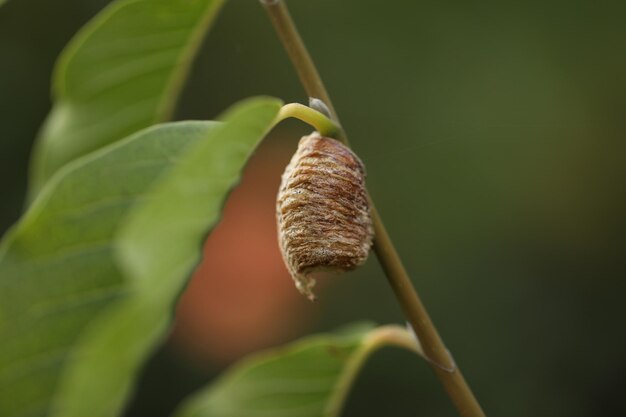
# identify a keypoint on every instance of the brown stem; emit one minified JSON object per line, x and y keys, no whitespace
{"x":438,"y":356}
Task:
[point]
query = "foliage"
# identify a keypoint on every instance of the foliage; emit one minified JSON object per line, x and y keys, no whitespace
{"x":119,"y":209}
{"x":122,"y":72}
{"x":308,"y":378}
{"x":89,"y":275}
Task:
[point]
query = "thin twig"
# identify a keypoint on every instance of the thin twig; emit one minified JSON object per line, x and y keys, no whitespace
{"x":439,"y":357}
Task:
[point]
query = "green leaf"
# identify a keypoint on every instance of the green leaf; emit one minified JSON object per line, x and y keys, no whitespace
{"x":121,"y":73}
{"x":89,"y":276}
{"x":308,"y":378}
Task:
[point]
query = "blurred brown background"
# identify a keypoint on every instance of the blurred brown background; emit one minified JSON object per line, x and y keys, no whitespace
{"x":494,"y":138}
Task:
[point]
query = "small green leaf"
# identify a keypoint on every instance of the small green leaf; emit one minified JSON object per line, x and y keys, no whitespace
{"x":89,"y":275}
{"x":308,"y":378}
{"x":121,"y":73}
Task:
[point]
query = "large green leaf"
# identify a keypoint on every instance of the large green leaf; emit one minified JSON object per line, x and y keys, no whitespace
{"x":121,"y":73}
{"x":89,"y":275}
{"x":309,"y":378}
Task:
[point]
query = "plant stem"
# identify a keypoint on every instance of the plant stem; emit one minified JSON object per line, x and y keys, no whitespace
{"x":300,"y":57}
{"x":319,"y":121}
{"x":438,"y":356}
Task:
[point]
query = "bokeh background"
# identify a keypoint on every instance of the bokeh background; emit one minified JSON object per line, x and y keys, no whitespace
{"x":494,"y":138}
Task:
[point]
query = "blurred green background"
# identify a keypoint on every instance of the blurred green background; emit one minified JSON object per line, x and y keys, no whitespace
{"x":494,"y":138}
